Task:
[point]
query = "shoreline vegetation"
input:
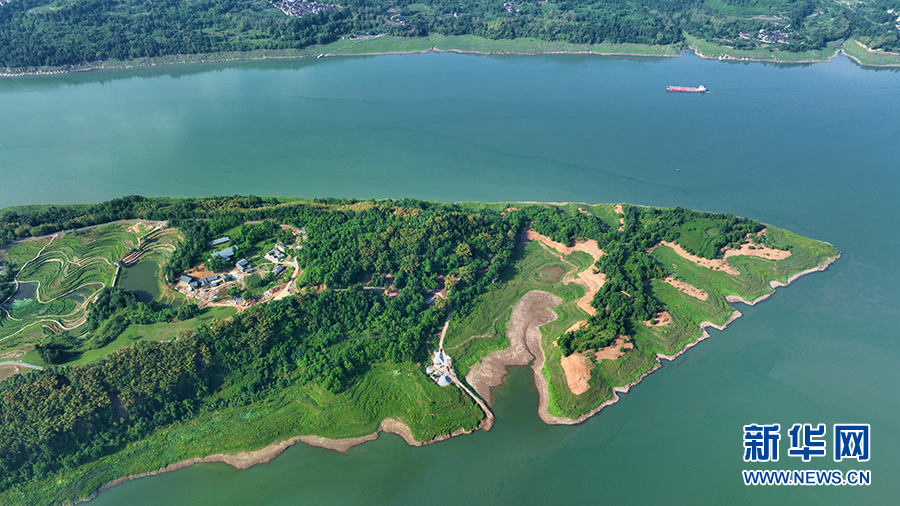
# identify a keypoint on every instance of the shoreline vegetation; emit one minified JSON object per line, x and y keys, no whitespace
{"x":469,"y":44}
{"x":526,"y":283}
{"x":525,"y":348}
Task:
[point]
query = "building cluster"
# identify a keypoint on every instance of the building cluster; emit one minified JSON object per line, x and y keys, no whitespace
{"x":510,"y":7}
{"x":775,"y":37}
{"x":298,"y":8}
{"x":207,"y":282}
{"x":440,"y":364}
{"x":276,"y":255}
{"x":889,"y":11}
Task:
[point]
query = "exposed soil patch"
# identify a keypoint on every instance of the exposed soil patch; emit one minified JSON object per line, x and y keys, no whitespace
{"x":590,"y":280}
{"x":756,"y":250}
{"x":614,"y":350}
{"x":691,"y":290}
{"x":716,"y":265}
{"x":552,"y":274}
{"x":576,"y":326}
{"x":533,"y":310}
{"x":590,"y":247}
{"x":7,"y":371}
{"x":578,"y":366}
{"x":200,"y":271}
{"x":578,"y":372}
{"x":662,"y":319}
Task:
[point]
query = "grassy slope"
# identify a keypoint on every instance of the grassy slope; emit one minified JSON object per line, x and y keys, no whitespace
{"x":471,"y":338}
{"x":153,"y":332}
{"x":388,"y":390}
{"x":713,"y":50}
{"x":854,"y":50}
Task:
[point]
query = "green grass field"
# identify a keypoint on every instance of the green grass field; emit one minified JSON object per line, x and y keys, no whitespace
{"x":713,"y":50}
{"x":853,"y":49}
{"x":387,"y":391}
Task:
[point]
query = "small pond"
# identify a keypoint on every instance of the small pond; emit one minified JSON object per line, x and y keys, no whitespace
{"x":141,"y":279}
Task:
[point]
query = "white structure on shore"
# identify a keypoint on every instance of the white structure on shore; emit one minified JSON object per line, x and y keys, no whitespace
{"x":438,"y":370}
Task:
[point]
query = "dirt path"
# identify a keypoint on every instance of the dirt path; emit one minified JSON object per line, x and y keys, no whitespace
{"x":590,"y":280}
{"x":618,"y":209}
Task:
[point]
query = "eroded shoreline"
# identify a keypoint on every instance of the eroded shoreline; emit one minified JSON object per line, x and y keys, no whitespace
{"x":248,"y":459}
{"x":532,"y":344}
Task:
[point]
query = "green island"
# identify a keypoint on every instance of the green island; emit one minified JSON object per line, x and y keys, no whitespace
{"x":47,"y":36}
{"x":141,"y":335}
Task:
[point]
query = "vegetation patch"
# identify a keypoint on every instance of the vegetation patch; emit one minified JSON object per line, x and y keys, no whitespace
{"x":147,"y":384}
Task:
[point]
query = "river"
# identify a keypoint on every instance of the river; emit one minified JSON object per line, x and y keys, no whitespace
{"x":809,"y":148}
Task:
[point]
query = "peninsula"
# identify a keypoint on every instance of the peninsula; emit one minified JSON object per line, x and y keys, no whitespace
{"x":141,"y":335}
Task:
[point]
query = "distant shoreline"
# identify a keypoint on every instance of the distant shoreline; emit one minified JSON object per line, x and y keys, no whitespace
{"x":274,"y":54}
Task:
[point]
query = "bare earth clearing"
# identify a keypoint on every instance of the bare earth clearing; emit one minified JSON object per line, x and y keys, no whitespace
{"x":691,"y":290}
{"x":578,"y":366}
{"x":662,"y":319}
{"x":757,"y":251}
{"x":590,"y":280}
{"x":716,"y":265}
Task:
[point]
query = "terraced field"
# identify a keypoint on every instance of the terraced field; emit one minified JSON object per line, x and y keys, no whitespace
{"x":67,"y":270}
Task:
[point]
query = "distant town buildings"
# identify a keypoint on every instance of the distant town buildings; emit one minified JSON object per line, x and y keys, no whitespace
{"x":298,"y":8}
{"x":775,"y":37}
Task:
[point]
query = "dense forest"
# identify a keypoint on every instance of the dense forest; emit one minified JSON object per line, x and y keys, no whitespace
{"x":329,"y":334}
{"x":68,"y":32}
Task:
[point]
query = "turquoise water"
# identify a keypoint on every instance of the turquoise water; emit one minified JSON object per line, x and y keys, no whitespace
{"x":809,"y":148}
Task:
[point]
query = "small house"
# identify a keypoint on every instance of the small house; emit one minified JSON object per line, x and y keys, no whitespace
{"x":216,"y":242}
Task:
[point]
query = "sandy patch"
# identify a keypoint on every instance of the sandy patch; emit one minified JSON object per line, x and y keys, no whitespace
{"x":662,"y":319}
{"x":576,"y":326}
{"x":533,"y":310}
{"x":716,"y":265}
{"x":757,"y":251}
{"x":590,"y":280}
{"x":618,"y":209}
{"x":614,"y":350}
{"x":590,"y":247}
{"x":691,"y":290}
{"x":578,"y":372}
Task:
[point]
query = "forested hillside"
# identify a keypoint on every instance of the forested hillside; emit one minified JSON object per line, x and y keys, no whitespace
{"x":67,"y":32}
{"x":379,"y":278}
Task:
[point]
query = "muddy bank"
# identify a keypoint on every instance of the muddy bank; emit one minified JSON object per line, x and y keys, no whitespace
{"x":245,"y":460}
{"x":533,"y":310}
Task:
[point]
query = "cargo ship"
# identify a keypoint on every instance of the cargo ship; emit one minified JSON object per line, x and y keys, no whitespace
{"x":685,"y":89}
